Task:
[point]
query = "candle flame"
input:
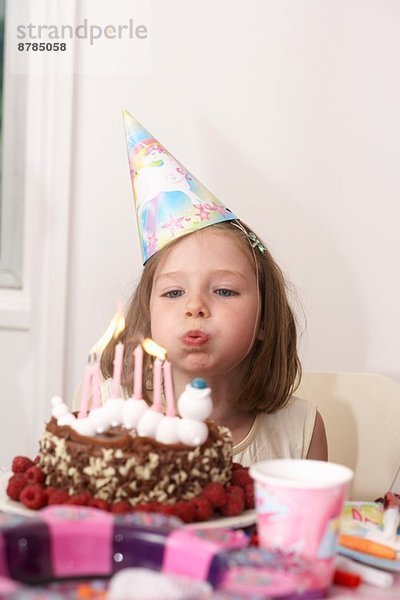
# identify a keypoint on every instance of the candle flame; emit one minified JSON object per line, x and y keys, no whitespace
{"x":116,"y":325}
{"x":154,"y":349}
{"x":119,"y":325}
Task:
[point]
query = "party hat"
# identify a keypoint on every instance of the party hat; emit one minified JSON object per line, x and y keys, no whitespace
{"x":170,"y":202}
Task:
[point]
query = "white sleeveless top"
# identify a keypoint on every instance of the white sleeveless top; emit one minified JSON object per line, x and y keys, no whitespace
{"x":284,"y":434}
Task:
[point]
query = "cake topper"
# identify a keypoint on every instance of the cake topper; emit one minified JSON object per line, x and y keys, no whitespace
{"x":194,"y":405}
{"x":167,"y":430}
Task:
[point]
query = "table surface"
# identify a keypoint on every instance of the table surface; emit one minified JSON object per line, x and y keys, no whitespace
{"x":367,"y":591}
{"x":362,"y":591}
{"x":337,"y":592}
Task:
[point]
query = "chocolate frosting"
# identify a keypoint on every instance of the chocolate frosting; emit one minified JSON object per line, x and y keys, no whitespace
{"x":119,"y":466}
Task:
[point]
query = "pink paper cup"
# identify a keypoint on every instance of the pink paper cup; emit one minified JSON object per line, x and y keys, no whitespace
{"x":299,"y":504}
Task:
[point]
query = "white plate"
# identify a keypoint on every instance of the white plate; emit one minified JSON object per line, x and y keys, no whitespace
{"x":245,"y":519}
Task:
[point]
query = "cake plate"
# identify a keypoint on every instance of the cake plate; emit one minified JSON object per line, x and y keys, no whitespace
{"x":245,"y":519}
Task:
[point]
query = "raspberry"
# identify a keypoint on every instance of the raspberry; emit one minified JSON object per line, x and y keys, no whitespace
{"x":99,"y":503}
{"x":167,"y":509}
{"x":15,"y":485}
{"x":184,"y":510}
{"x":233,"y":507}
{"x":141,"y":508}
{"x":57,"y":497}
{"x":249,"y":495}
{"x":153,"y":507}
{"x":34,"y":475}
{"x":172,"y":511}
{"x":203,"y":510}
{"x":33,"y":496}
{"x":235,"y":489}
{"x":253,"y":539}
{"x":215,"y":494}
{"x":79,"y":499}
{"x":121,"y":506}
{"x":236,"y":466}
{"x":241,"y":477}
{"x":49,"y":490}
{"x":20,"y":464}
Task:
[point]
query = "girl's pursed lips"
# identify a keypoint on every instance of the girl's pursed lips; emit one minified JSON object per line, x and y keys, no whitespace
{"x":195,"y":337}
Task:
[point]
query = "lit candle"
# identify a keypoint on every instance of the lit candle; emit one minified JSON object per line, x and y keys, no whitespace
{"x":117,"y":371}
{"x":157,"y":377}
{"x":96,"y":398}
{"x":169,"y":389}
{"x":155,"y":350}
{"x":138,"y":374}
{"x":95,"y":354}
{"x":87,"y":378}
{"x":118,"y":358}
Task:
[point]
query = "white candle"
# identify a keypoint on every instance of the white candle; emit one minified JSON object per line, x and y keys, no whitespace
{"x":87,"y":378}
{"x":138,"y":375}
{"x":117,"y":371}
{"x":96,"y":399}
{"x":157,"y":376}
{"x":169,"y":389}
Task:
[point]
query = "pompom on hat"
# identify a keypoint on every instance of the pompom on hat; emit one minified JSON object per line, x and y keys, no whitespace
{"x":169,"y":201}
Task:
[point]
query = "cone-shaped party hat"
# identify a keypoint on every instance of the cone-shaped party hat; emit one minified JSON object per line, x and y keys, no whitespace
{"x":169,"y":201}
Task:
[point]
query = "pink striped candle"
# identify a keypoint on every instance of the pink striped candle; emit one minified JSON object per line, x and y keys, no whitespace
{"x":87,"y":378}
{"x":117,"y":371}
{"x":157,"y":377}
{"x":138,"y":373}
{"x":96,"y":397}
{"x":169,"y":389}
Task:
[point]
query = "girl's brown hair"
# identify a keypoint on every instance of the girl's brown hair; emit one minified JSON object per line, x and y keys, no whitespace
{"x":274,"y":368}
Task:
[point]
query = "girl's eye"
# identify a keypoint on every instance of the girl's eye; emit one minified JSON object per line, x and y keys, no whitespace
{"x":173,"y":294}
{"x":226,"y":293}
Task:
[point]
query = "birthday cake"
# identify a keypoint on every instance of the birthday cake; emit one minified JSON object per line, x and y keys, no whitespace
{"x":182,"y":466}
{"x":117,"y":466}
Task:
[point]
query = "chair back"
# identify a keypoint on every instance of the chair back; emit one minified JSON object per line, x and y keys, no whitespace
{"x":361,"y":412}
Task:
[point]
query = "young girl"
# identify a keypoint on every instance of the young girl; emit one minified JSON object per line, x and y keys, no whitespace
{"x":216,"y":301}
{"x":214,"y":298}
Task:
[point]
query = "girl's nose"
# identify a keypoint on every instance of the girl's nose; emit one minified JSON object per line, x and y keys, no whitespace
{"x":195,"y":309}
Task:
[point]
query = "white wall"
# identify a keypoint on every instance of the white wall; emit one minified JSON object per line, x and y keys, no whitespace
{"x":288,"y":111}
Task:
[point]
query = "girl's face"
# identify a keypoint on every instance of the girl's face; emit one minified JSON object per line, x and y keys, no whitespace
{"x":204,"y":305}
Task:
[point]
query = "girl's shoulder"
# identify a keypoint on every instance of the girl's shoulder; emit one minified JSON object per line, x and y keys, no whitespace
{"x":296,"y":413}
{"x":284,"y":433}
{"x":297,"y":405}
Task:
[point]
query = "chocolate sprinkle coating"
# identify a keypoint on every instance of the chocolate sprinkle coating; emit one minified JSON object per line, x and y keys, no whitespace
{"x":119,"y":466}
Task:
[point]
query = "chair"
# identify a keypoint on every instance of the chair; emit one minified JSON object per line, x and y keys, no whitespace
{"x":362,"y":419}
